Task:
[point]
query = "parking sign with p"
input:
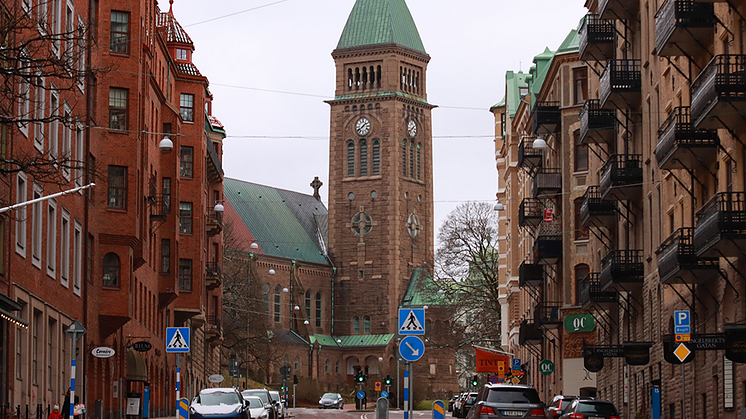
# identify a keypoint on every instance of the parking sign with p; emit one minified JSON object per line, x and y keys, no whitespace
{"x":681,"y":322}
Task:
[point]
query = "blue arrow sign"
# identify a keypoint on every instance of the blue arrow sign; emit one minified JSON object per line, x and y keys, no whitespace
{"x":361,"y":395}
{"x":177,"y":339}
{"x":385,"y":394}
{"x":681,"y":322}
{"x":411,"y":348}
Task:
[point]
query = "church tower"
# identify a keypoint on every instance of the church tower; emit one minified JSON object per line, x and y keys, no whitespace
{"x":380,"y":173}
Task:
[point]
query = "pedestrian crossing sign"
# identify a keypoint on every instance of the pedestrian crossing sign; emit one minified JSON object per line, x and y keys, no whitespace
{"x":177,"y":339}
{"x":411,"y":321}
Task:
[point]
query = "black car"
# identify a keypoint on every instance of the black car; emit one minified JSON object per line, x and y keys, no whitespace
{"x":219,"y":403}
{"x":269,"y":402}
{"x":507,"y":401}
{"x":468,"y":401}
{"x":590,"y":408}
{"x":558,"y":403}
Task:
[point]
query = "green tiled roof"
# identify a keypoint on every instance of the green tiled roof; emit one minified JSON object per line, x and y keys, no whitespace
{"x":284,"y":224}
{"x":422,"y":291}
{"x":498,"y":105}
{"x":373,"y":22}
{"x":379,"y":95}
{"x":352,"y":341}
{"x":514,"y":81}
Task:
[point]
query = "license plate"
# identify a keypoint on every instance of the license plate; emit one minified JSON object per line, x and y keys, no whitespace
{"x":512,"y":413}
{"x":594,"y":417}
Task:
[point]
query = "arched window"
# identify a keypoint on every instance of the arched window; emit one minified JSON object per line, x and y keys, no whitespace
{"x":111,"y":270}
{"x":376,"y":157}
{"x":308,"y":304}
{"x":581,"y":153}
{"x":318,"y":309}
{"x":419,"y":161}
{"x":363,"y":158}
{"x":581,"y":231}
{"x":581,"y":271}
{"x":277,"y":303}
{"x":265,"y":291}
{"x":356,"y":324}
{"x":349,"y":79}
{"x":336,"y":367}
{"x":350,"y":159}
{"x":326,"y":366}
{"x":366,"y":324}
{"x":404,"y":158}
{"x":297,"y":363}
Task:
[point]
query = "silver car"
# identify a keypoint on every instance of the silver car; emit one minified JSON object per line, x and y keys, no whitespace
{"x":331,"y":401}
{"x":256,"y":408}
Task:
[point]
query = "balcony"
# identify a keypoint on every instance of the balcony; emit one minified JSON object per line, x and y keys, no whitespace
{"x":622,"y":270}
{"x":530,"y":212}
{"x":719,"y":93}
{"x":597,"y":37}
{"x":530,"y":275}
{"x":214,"y":165}
{"x":621,"y":177}
{"x":547,"y":183}
{"x":528,"y":156}
{"x":213,"y":329}
{"x":546,"y":118}
{"x":618,"y":9}
{"x":214,"y":224}
{"x":547,"y":315}
{"x":595,"y":211}
{"x":160,"y":207}
{"x":620,"y":85}
{"x":681,"y":146}
{"x":213,"y":276}
{"x":597,"y":125}
{"x":529,"y":334}
{"x":677,"y":262}
{"x":168,"y":289}
{"x":682,"y":27}
{"x":548,"y":244}
{"x":590,"y":293}
{"x":721,"y":226}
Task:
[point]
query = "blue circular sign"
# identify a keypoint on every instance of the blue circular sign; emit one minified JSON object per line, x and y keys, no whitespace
{"x":385,"y":394}
{"x":411,"y":348}
{"x":493,"y":379}
{"x":361,"y":395}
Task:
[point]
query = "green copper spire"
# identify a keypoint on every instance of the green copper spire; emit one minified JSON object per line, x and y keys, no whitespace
{"x":374,"y":22}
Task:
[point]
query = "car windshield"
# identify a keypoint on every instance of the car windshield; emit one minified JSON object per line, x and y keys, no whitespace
{"x":255,"y":402}
{"x":216,"y":398}
{"x":275,"y":395}
{"x":330,"y":396}
{"x":596,"y":407}
{"x":257,"y":393}
{"x":509,"y":395}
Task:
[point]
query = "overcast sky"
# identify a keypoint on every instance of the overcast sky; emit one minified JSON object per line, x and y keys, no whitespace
{"x":270,"y":69}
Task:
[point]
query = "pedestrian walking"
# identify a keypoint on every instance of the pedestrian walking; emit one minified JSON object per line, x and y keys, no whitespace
{"x":55,"y":413}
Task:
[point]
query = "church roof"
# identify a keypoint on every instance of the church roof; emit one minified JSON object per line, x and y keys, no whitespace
{"x":373,"y":22}
{"x":284,"y":223}
{"x":422,"y":291}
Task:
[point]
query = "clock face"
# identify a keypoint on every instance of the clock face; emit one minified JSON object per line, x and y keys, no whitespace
{"x":362,"y":127}
{"x":412,"y":128}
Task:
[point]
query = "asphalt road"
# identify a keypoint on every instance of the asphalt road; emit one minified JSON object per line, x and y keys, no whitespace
{"x":350,"y":413}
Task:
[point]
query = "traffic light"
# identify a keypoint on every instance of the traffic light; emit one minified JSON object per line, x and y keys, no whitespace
{"x":360,"y":377}
{"x":295,"y":379}
{"x":282,"y":388}
{"x":387,"y":381}
{"x":475,"y":381}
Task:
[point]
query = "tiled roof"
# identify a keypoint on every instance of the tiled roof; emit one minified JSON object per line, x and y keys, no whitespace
{"x":284,"y":224}
{"x":215,"y":123}
{"x":188,"y":69}
{"x":173,"y":30}
{"x":373,"y":22}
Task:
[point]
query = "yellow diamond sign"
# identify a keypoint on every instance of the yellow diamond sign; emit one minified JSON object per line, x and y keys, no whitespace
{"x":682,"y":352}
{"x":516,"y":380}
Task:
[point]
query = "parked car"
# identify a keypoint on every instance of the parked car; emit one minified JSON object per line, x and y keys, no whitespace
{"x":331,"y":401}
{"x":279,"y":404}
{"x":458,"y":403}
{"x":467,"y":404}
{"x":558,"y":403}
{"x":590,"y":408}
{"x":256,"y":408}
{"x":267,"y":399}
{"x":451,"y":402}
{"x":507,"y":401}
{"x":219,"y":403}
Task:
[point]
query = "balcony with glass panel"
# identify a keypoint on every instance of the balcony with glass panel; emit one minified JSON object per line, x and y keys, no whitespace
{"x":682,"y":146}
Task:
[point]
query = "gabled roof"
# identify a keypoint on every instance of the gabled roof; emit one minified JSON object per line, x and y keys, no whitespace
{"x":173,"y":30}
{"x":285,"y":224}
{"x":374,"y":22}
{"x":422,"y":291}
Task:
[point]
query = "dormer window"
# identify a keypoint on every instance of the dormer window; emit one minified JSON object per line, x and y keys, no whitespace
{"x":181,"y":54}
{"x":523,"y":91}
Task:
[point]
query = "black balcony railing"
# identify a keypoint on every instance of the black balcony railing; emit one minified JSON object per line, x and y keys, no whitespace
{"x":548,"y":244}
{"x":590,"y":292}
{"x":530,"y":212}
{"x":547,"y":182}
{"x":678,"y":263}
{"x":721,"y":226}
{"x":719,"y":92}
{"x":547,"y":314}
{"x":214,"y":223}
{"x":215,"y":165}
{"x":546,"y":118}
{"x":528,"y":156}
{"x":596,"y":38}
{"x":681,"y":26}
{"x":597,"y":125}
{"x":621,"y":177}
{"x":160,"y":206}
{"x":618,"y":9}
{"x":529,"y":333}
{"x":530,"y":275}
{"x":681,"y":146}
{"x":213,"y":323}
{"x":621,"y":83}
{"x":622,"y":269}
{"x":596,"y":210}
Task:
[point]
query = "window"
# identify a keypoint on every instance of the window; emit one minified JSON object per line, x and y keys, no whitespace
{"x":581,"y":231}
{"x":581,"y":271}
{"x":318,"y":309}
{"x":278,"y":307}
{"x":581,"y":153}
{"x":51,"y":237}
{"x":24,"y":92}
{"x":36,"y":227}
{"x":265,"y":292}
{"x":67,"y":133}
{"x":185,"y":274}
{"x":81,"y":53}
{"x":350,"y":159}
{"x":65,"y":248}
{"x":165,"y":255}
{"x":36,"y":330}
{"x":404,"y":158}
{"x":111,"y":270}
{"x":55,"y":25}
{"x":181,"y":54}
{"x":366,"y":324}
{"x":186,"y":162}
{"x":120,"y":32}
{"x":356,"y":324}
{"x":411,"y":159}
{"x":117,"y":191}
{"x":580,"y":84}
{"x":118,"y":108}
{"x":166,"y":192}
{"x":26,"y":4}
{"x":376,"y":158}
{"x":54,"y":124}
{"x":187,"y":107}
{"x":77,"y":257}
{"x":39,"y":115}
{"x":185,"y":217}
{"x":51,"y":367}
{"x":78,"y":159}
{"x":363,"y":158}
{"x":308,"y":304}
{"x":326,"y":366}
{"x":297,"y":363}
{"x":336,"y":367}
{"x":419,"y":164}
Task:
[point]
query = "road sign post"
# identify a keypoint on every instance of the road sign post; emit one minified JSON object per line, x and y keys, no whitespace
{"x":177,"y":342}
{"x":439,"y":409}
{"x":75,"y":331}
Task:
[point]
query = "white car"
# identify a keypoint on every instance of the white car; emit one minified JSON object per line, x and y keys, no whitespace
{"x":222,"y":403}
{"x":279,"y":404}
{"x":256,"y":408}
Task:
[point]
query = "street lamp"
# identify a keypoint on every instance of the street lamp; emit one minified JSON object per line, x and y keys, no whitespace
{"x":166,"y":144}
{"x":271,"y":271}
{"x":254,"y":245}
{"x":218,"y":207}
{"x":499,"y":206}
{"x":540,"y":144}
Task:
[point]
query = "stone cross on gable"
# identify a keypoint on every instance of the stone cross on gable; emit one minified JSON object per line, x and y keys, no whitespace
{"x":316,"y":185}
{"x":361,"y":224}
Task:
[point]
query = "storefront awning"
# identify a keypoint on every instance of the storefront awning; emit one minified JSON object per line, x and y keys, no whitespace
{"x":6,"y":315}
{"x":136,"y":369}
